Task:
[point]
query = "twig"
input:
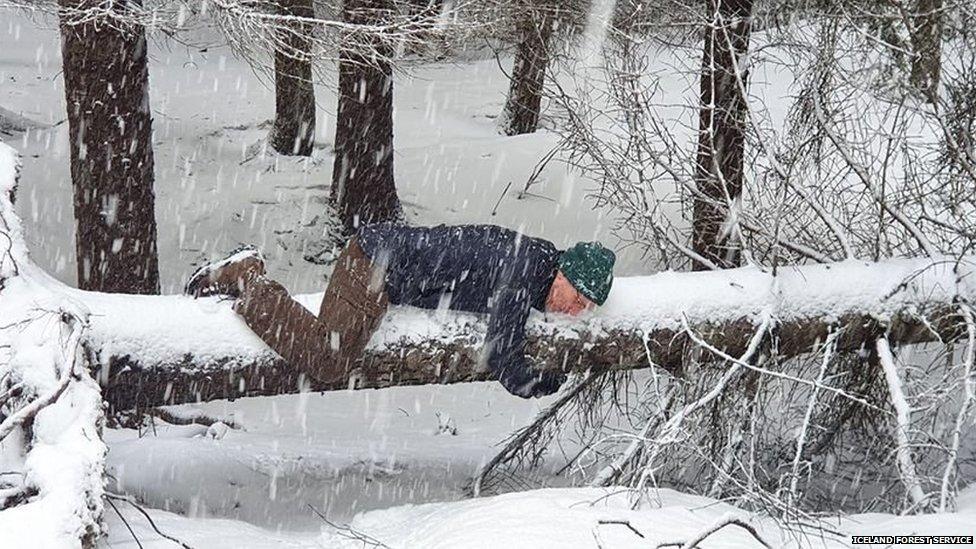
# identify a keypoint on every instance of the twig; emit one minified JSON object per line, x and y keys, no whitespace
{"x":622,"y":523}
{"x":537,"y":171}
{"x":348,"y":532}
{"x":721,"y":354}
{"x":969,"y":394}
{"x":903,"y":420}
{"x":31,"y":409}
{"x":722,"y":523}
{"x":529,"y":431}
{"x":498,"y":203}
{"x":859,"y":171}
{"x":125,"y":522}
{"x":110,"y":496}
{"x":835,"y":228}
{"x":670,"y":430}
{"x":808,"y":415}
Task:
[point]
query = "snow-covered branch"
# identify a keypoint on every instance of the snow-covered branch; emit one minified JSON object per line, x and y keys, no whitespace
{"x":51,"y":412}
{"x":903,"y":422}
{"x":968,"y":397}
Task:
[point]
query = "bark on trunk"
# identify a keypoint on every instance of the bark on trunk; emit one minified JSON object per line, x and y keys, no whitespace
{"x":139,"y":383}
{"x":110,"y":132}
{"x":293,"y":132}
{"x":926,"y":36}
{"x":363,"y":188}
{"x":524,"y":103}
{"x":721,"y":134}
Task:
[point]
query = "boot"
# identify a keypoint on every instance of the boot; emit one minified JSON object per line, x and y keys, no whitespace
{"x":228,"y":276}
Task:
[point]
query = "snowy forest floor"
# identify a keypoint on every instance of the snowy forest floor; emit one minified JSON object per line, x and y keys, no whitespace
{"x":348,"y":455}
{"x":352,"y":455}
{"x":556,"y":517}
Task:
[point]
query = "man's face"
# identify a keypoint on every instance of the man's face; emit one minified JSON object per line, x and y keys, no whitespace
{"x":563,"y":298}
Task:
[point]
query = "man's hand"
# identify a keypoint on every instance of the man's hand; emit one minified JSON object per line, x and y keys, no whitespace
{"x":529,"y":383}
{"x":505,"y":342}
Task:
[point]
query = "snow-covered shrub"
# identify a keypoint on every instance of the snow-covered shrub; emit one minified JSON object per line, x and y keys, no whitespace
{"x":51,"y":453}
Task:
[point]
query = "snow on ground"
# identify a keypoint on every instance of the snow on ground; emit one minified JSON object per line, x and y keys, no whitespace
{"x":341,"y":452}
{"x":589,"y":517}
{"x":366,"y":458}
{"x":542,"y":519}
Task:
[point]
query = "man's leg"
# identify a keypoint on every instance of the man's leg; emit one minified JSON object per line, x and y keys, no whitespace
{"x":324,"y":348}
{"x":289,"y":328}
{"x":354,"y":303}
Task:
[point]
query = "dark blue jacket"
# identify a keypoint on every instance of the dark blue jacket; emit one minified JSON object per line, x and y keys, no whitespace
{"x":474,"y":268}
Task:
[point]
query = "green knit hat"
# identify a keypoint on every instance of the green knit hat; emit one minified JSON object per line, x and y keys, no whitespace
{"x":589,"y":267}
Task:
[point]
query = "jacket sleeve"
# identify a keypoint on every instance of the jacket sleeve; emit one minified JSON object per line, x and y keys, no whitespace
{"x":505,"y":343}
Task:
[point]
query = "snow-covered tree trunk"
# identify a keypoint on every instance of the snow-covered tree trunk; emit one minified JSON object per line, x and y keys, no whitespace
{"x":106,"y":82}
{"x":524,"y":102}
{"x":293,"y":132}
{"x":721,"y":133}
{"x":363,"y":188}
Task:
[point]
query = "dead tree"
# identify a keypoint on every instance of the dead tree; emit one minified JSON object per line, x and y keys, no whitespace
{"x":106,"y":79}
{"x":721,"y":132}
{"x":293,"y":132}
{"x":363,"y":188}
{"x":524,"y":102}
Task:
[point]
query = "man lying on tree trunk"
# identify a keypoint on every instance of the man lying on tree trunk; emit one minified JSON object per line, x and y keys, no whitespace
{"x":474,"y":268}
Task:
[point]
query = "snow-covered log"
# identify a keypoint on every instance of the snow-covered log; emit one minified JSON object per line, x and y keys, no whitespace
{"x":52,"y":457}
{"x":170,"y":349}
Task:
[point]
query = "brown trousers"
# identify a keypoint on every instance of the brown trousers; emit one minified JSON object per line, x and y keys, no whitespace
{"x":326,"y":347}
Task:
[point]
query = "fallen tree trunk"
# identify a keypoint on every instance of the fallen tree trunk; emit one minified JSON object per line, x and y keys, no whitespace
{"x":155,"y":350}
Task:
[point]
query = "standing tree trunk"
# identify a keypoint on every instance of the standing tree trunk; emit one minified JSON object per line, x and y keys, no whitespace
{"x":106,"y":82}
{"x":721,"y":134}
{"x":294,"y":125}
{"x":363,"y":188}
{"x":926,"y":37}
{"x":522,"y":108}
